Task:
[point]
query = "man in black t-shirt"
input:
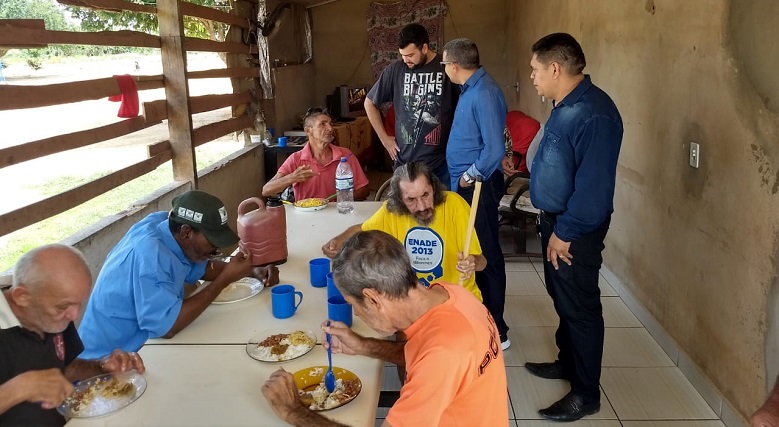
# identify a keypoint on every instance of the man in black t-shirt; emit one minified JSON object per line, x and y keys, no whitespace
{"x":424,"y":99}
{"x":39,"y":344}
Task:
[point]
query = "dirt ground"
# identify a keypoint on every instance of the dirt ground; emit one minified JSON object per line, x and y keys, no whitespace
{"x":19,"y":182}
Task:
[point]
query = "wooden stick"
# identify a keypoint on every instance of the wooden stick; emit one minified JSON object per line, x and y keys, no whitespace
{"x":471,"y":220}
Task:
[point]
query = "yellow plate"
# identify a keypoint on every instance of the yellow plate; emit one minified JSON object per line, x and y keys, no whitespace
{"x":308,"y":379}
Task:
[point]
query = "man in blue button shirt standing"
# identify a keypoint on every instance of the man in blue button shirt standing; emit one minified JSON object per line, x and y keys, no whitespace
{"x":572,"y":182}
{"x":475,"y":150}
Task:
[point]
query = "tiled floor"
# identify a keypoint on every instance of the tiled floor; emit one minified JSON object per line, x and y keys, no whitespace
{"x":640,"y":385}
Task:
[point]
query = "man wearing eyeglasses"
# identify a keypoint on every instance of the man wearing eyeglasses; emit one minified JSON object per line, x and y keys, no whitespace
{"x":139,"y":293}
{"x":424,"y":100}
{"x":311,"y":171}
{"x":475,"y":150}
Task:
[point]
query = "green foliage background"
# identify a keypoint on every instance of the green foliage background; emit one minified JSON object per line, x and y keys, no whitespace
{"x":54,"y":17}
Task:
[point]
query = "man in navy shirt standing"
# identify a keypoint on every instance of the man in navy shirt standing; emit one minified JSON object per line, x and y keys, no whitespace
{"x":572,"y":182}
{"x":475,"y":150}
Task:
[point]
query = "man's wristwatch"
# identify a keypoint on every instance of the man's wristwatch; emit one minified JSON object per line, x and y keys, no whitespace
{"x":468,"y":179}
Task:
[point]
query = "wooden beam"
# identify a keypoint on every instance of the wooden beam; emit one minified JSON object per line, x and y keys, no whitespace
{"x":15,"y":35}
{"x":213,"y":131}
{"x":111,"y":5}
{"x":214,"y":102}
{"x":174,"y":70}
{"x":155,"y":110}
{"x":33,"y":24}
{"x":157,"y":148}
{"x":57,"y":144}
{"x":198,"y":11}
{"x":30,"y":214}
{"x":17,"y":97}
{"x":226,"y":72}
{"x":194,"y":44}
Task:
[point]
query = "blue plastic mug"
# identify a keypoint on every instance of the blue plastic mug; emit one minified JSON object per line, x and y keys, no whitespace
{"x":283,"y":301}
{"x":282,"y":141}
{"x":318,"y":269}
{"x":332,"y":291}
{"x":339,"y":310}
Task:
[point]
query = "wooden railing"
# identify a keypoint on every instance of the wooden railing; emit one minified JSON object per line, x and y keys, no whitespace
{"x":183,"y":138}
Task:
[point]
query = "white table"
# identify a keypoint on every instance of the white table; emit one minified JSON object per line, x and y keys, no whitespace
{"x":203,"y":376}
{"x":219,"y":385}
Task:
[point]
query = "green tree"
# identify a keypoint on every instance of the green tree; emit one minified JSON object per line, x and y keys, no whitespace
{"x":99,"y":20}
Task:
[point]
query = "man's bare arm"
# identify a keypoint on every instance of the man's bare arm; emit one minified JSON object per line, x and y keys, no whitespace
{"x":333,"y":246}
{"x":277,"y":184}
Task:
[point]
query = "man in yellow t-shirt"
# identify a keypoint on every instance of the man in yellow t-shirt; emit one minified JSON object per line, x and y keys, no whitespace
{"x":430,"y":222}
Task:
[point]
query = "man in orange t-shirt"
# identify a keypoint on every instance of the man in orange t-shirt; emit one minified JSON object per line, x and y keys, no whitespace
{"x":454,"y":363}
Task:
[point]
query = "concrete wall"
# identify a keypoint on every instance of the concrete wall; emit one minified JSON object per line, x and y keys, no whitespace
{"x":341,"y":54}
{"x":221,"y":179}
{"x":699,"y":248}
{"x":294,"y":94}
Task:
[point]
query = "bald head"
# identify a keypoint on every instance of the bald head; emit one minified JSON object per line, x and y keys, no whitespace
{"x":51,"y":265}
{"x":50,"y":284}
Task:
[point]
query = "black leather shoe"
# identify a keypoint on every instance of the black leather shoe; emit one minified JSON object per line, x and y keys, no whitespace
{"x":569,"y":408}
{"x":548,"y":370}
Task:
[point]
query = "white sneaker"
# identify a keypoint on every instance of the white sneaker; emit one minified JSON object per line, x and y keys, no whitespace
{"x":505,"y":344}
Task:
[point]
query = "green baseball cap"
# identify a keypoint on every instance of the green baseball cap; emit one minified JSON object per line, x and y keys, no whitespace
{"x":206,"y":213}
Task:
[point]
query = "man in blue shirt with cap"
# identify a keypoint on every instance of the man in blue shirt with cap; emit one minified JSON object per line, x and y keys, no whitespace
{"x":572,"y":182}
{"x":139,"y":293}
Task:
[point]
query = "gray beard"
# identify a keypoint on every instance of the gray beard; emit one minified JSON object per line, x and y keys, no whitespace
{"x":425,"y":222}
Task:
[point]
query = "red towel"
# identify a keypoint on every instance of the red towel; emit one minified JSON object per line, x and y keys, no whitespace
{"x":129,"y":97}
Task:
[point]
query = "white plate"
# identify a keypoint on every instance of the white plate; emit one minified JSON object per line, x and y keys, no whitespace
{"x":239,"y":290}
{"x":312,"y":208}
{"x":253,"y":352}
{"x":100,"y":404}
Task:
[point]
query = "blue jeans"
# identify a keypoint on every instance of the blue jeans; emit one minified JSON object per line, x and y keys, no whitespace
{"x":492,"y":280}
{"x":576,"y":296}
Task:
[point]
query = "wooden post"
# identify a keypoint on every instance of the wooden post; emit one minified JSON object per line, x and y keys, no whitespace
{"x":174,"y":70}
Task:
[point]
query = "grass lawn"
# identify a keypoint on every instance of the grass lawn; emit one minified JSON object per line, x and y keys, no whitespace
{"x":67,"y":223}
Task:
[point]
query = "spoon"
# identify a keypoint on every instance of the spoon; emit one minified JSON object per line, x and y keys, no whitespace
{"x":329,"y":376}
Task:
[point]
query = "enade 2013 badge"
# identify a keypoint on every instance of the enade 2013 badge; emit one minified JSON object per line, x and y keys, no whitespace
{"x":425,"y":249}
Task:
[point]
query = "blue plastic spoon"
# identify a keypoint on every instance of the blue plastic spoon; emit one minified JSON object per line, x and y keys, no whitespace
{"x":329,"y":376}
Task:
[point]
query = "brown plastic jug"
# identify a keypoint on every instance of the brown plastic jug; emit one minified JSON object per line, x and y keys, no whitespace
{"x":263,"y":231}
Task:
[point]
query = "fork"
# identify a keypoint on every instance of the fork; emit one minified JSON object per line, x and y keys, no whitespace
{"x":329,"y":376}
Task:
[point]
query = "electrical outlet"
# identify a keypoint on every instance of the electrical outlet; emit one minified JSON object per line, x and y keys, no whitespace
{"x":695,"y":154}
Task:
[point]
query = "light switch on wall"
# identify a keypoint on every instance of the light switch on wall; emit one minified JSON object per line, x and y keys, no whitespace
{"x":695,"y":154}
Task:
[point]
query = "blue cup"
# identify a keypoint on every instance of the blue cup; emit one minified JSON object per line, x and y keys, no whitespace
{"x":282,"y":141}
{"x":339,"y":310}
{"x":318,"y":269}
{"x":283,"y":301}
{"x":332,"y":291}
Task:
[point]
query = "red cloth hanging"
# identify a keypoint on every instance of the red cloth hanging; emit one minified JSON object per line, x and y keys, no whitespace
{"x":129,"y":97}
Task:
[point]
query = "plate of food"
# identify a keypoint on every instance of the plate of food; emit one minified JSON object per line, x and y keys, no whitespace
{"x":314,"y":394}
{"x":312,"y":204}
{"x":103,"y":394}
{"x":280,"y":347}
{"x":239,"y":290}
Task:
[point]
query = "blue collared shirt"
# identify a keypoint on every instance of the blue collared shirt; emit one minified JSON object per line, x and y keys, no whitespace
{"x":140,"y":289}
{"x":476,"y":140}
{"x":575,"y":168}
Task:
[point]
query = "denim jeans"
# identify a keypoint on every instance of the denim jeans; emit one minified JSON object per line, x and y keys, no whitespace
{"x":492,"y":280}
{"x":576,"y":296}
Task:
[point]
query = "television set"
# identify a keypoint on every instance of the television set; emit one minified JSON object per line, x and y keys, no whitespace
{"x":347,"y":102}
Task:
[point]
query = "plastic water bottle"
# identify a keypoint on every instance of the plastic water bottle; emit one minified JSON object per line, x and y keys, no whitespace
{"x":344,"y":187}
